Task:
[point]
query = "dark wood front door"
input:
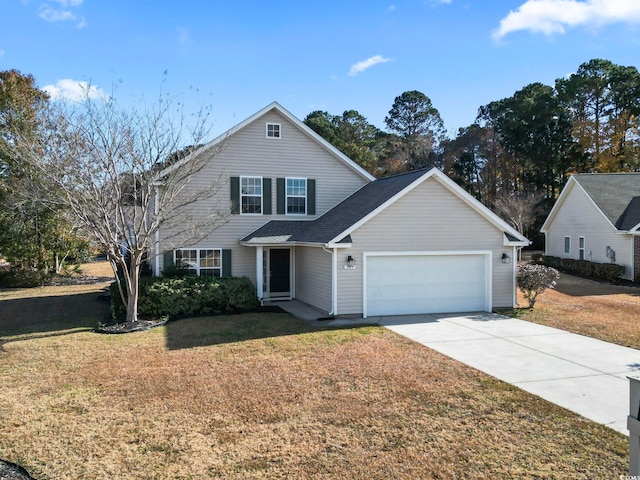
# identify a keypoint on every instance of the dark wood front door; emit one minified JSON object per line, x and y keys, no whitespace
{"x":279,"y":272}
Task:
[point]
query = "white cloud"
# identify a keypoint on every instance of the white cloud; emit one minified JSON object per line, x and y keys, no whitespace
{"x":2,"y":52}
{"x":69,"y":3}
{"x":554,"y":16}
{"x":74,"y":90}
{"x":61,"y":12}
{"x":368,"y":63}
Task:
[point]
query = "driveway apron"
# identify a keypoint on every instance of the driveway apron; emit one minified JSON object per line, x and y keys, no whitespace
{"x":582,"y":374}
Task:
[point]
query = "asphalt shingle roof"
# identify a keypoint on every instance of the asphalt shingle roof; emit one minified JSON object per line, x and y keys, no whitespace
{"x":335,"y":221}
{"x":616,"y":194}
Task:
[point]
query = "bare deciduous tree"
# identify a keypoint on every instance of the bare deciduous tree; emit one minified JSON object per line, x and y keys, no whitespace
{"x":124,"y":174}
{"x":518,"y":209}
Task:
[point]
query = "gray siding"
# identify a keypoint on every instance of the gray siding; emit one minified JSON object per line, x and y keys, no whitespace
{"x":578,"y":217}
{"x":429,"y":218}
{"x":313,"y":277}
{"x":249,"y":153}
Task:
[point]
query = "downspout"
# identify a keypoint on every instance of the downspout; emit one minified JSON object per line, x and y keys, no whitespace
{"x":515,"y":254}
{"x":334,"y":279}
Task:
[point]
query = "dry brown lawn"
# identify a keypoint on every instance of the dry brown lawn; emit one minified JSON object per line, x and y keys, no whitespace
{"x":595,"y":309}
{"x":262,"y":396}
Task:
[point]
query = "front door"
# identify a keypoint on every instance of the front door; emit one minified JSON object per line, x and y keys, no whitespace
{"x":279,"y":272}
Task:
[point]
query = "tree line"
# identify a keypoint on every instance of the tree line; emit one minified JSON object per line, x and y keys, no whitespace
{"x":515,"y":157}
{"x":520,"y":151}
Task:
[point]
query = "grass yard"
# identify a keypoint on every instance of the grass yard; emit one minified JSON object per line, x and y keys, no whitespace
{"x":262,"y":396}
{"x":599,"y":310}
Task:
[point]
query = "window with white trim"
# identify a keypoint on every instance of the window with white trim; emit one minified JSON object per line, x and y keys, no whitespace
{"x":581,"y":247}
{"x":567,"y":244}
{"x":251,"y":195}
{"x":296,"y":196}
{"x":204,"y":262}
{"x":273,"y":130}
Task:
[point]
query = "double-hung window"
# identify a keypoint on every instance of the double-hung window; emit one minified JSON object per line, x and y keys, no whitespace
{"x":205,"y":262}
{"x":296,"y":196}
{"x":273,"y":130}
{"x":567,"y":244}
{"x":251,"y":195}
{"x":581,"y":247}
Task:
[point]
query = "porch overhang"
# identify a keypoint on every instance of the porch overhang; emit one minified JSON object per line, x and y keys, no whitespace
{"x":284,"y":241}
{"x":509,"y":240}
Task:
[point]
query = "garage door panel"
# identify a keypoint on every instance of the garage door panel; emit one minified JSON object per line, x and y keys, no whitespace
{"x":406,"y":284}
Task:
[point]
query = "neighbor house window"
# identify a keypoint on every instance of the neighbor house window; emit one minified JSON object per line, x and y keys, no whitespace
{"x":273,"y":130}
{"x":581,"y":247}
{"x":296,"y":196}
{"x":205,"y":262}
{"x":567,"y":244}
{"x":251,"y":195}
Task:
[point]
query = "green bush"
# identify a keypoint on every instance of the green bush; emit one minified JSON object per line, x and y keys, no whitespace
{"x":177,"y":296}
{"x":605,"y":271}
{"x":176,"y":270}
{"x":553,"y":262}
{"x":608,"y":271}
{"x":23,"y":277}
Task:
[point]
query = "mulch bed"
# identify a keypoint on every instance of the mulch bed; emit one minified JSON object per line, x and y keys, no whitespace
{"x":128,"y":327}
{"x":11,"y":471}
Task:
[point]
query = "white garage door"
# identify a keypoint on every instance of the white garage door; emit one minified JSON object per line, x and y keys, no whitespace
{"x":408,"y":284}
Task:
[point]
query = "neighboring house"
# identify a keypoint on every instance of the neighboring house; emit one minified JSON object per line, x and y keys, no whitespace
{"x":597,"y":218}
{"x":308,"y":223}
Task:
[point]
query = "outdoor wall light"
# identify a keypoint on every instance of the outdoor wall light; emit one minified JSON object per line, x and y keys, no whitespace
{"x":506,"y":258}
{"x":351,"y":263}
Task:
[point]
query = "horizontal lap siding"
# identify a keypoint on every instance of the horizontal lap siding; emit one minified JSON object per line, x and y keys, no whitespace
{"x":579,"y":217}
{"x":429,"y":218}
{"x":313,"y":277}
{"x":249,"y":153}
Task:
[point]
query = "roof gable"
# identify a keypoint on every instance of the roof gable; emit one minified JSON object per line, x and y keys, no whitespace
{"x":613,"y":194}
{"x":339,"y":222}
{"x":298,"y":124}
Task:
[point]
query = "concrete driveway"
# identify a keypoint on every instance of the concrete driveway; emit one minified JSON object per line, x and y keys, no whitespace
{"x":582,"y":374}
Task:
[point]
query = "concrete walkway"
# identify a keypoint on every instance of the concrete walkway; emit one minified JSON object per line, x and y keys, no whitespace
{"x":582,"y":374}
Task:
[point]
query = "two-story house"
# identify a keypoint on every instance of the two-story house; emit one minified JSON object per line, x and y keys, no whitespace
{"x":306,"y":222}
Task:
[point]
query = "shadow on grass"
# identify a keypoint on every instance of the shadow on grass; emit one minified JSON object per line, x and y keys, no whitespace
{"x":221,"y":329}
{"x":36,"y":317}
{"x":575,"y":286}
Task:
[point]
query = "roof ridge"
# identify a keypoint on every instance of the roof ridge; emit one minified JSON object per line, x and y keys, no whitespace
{"x":605,"y":174}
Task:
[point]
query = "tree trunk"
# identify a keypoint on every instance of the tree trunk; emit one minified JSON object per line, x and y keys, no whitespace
{"x":133,"y":283}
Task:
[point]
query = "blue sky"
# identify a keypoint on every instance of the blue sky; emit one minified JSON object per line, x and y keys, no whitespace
{"x":238,"y":56}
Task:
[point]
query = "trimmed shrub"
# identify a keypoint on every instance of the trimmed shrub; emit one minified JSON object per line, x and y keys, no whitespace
{"x":605,"y":271}
{"x":608,"y":271}
{"x":537,"y":257}
{"x":178,"y":296}
{"x":550,"y":261}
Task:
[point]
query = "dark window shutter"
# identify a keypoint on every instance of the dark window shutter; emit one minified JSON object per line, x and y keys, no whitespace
{"x":235,"y":194}
{"x":281,"y":201}
{"x":311,"y":196}
{"x":226,"y":263}
{"x":167,"y":260}
{"x":266,"y":196}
